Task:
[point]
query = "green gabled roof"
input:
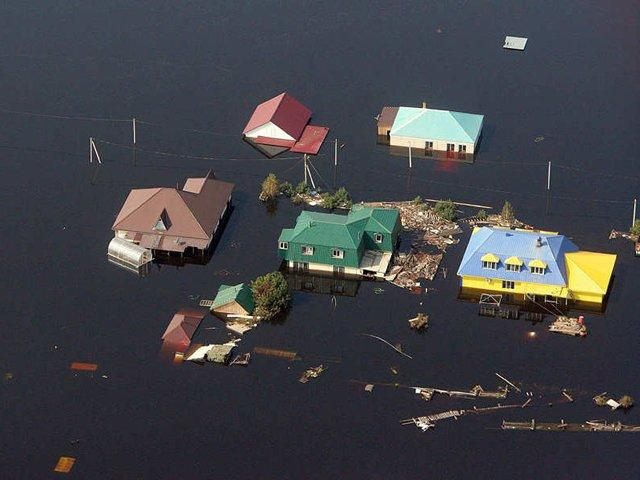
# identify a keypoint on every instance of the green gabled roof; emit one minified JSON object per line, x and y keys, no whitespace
{"x":240,"y":293}
{"x":431,"y":124}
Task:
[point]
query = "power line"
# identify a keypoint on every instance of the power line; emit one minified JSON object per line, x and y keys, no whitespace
{"x":189,"y":156}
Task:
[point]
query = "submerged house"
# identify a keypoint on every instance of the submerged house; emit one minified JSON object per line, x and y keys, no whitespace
{"x":360,"y":243}
{"x":181,"y":328}
{"x":282,"y":123}
{"x":233,"y":300}
{"x":534,"y":266}
{"x":169,"y":220}
{"x":429,"y":129}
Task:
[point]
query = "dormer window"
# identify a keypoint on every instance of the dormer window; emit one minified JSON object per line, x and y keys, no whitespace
{"x":284,"y":245}
{"x":378,"y":237}
{"x":163,"y":223}
{"x":537,"y":267}
{"x":513,"y":264}
{"x":337,"y":253}
{"x":490,"y":261}
{"x":306,"y":250}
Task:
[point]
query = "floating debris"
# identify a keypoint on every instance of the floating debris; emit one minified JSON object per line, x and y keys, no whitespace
{"x":588,"y":426}
{"x":538,"y":139}
{"x":508,"y":382}
{"x":84,"y":367}
{"x":64,"y":465}
{"x":515,"y":43}
{"x":240,"y":327}
{"x":420,"y":322}
{"x":211,"y":353}
{"x":8,"y":376}
{"x":272,"y":352}
{"x":397,"y":347}
{"x":242,"y":359}
{"x":569,"y":326}
{"x":312,"y":372}
{"x":602,"y":400}
{"x":368,"y":387}
{"x":393,"y":370}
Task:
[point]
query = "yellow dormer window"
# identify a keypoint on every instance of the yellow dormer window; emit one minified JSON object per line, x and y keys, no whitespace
{"x":490,"y":261}
{"x":513,"y":264}
{"x":537,"y":267}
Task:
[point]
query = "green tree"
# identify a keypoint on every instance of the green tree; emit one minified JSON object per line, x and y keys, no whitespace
{"x":626,"y":401}
{"x":446,"y":210}
{"x":481,"y":215}
{"x":302,"y":188}
{"x":271,"y":295}
{"x":270,"y":188}
{"x":635,"y":230}
{"x":329,"y":201}
{"x":508,"y":214}
{"x":342,"y":198}
{"x":287,"y":189}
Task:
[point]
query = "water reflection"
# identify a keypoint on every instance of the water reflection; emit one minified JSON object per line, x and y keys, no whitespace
{"x":322,"y":284}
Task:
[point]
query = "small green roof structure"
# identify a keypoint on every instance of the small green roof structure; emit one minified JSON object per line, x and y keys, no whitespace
{"x":240,"y":293}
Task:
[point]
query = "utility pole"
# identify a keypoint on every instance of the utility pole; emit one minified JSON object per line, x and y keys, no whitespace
{"x":134,"y":131}
{"x":549,"y":176}
{"x":635,"y":201}
{"x":410,"y":163}
{"x":92,"y":150}
{"x":305,"y":168}
{"x":335,"y":153}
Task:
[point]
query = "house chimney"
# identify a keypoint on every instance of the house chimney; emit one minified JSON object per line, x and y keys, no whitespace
{"x":424,"y":104}
{"x":539,"y":242}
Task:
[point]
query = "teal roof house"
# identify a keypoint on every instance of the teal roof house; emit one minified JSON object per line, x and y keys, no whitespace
{"x":233,"y":300}
{"x":430,"y":129}
{"x":360,"y":243}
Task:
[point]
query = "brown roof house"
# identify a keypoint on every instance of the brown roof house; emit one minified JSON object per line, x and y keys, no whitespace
{"x":171,"y":220}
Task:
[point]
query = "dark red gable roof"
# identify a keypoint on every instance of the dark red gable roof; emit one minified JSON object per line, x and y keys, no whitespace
{"x":182,"y":327}
{"x":284,"y":111}
{"x":311,"y":140}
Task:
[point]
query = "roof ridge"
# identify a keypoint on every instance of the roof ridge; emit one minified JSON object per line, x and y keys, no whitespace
{"x":451,"y":114}
{"x":411,"y":119}
{"x":180,"y":192}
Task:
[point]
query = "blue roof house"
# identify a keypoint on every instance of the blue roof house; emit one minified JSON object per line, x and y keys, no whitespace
{"x":431,"y":129}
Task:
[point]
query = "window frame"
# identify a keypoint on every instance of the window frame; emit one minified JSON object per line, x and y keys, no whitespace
{"x":510,"y":267}
{"x":283,"y":246}
{"x":378,"y":237}
{"x":339,"y":255}
{"x":308,"y":250}
{"x":508,"y":284}
{"x":489,"y":265}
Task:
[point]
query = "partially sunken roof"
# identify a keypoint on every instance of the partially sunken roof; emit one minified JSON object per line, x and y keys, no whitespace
{"x":240,"y":293}
{"x":342,"y":231}
{"x":526,"y":245}
{"x":190,"y":213}
{"x":284,"y":111}
{"x":182,"y":327}
{"x":431,"y":124}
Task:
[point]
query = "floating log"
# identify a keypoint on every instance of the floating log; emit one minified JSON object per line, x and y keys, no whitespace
{"x":588,"y":426}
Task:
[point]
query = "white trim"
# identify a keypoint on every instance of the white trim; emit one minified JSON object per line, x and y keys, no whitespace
{"x":284,"y":246}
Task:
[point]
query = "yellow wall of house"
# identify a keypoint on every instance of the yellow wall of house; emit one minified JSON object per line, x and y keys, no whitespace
{"x":521,"y":288}
{"x":232,"y":308}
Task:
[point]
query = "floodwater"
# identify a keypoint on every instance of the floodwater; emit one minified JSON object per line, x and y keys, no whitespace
{"x":204,"y":66}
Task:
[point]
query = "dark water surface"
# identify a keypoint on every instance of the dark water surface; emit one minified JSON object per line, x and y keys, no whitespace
{"x":204,"y":66}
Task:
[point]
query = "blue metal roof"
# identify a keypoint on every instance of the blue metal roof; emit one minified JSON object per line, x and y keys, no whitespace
{"x":430,"y":124}
{"x":522,"y":244}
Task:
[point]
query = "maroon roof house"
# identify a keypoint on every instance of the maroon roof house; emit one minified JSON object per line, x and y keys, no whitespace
{"x":282,"y":123}
{"x":177,"y":336}
{"x":172,"y":220}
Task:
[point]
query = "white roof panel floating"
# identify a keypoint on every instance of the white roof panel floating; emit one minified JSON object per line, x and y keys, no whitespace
{"x":515,"y":43}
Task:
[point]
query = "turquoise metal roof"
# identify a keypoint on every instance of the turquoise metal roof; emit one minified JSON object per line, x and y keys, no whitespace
{"x":431,"y":124}
{"x":240,"y":293}
{"x":522,"y":244}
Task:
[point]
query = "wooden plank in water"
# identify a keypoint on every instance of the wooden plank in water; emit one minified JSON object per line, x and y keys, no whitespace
{"x":85,"y":367}
{"x":64,"y":465}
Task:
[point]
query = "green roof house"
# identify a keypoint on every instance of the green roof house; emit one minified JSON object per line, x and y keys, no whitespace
{"x":360,"y":243}
{"x":233,"y":300}
{"x":430,"y":129}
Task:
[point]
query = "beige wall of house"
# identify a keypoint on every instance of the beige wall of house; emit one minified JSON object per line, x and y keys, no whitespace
{"x":320,"y":267}
{"x":419,"y":144}
{"x":233,"y":308}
